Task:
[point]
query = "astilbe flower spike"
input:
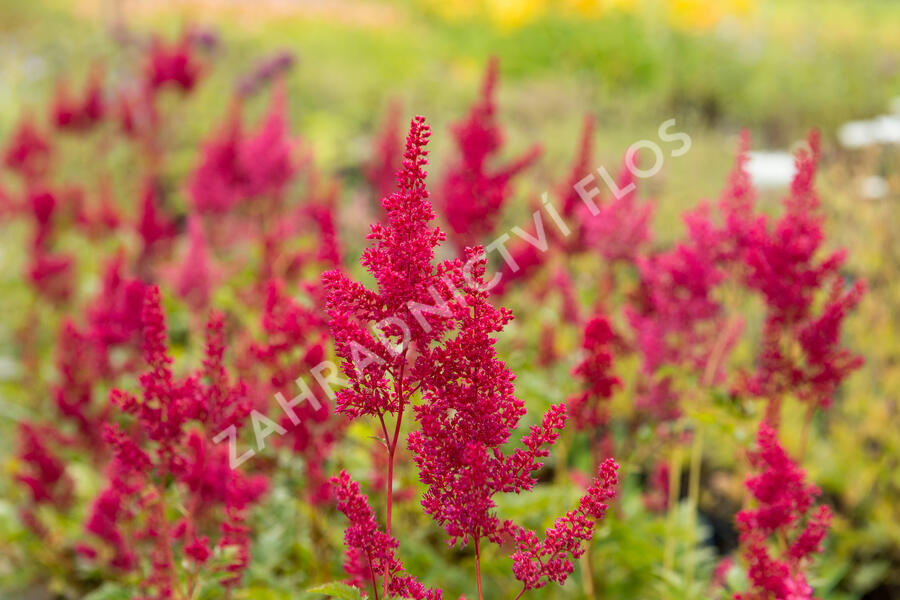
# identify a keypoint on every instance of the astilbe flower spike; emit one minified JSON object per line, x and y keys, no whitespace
{"x":80,"y":365}
{"x":370,"y":551}
{"x":237,"y":166}
{"x":408,"y":306}
{"x":468,"y":413}
{"x":473,"y":191}
{"x":155,"y":228}
{"x":43,"y":473}
{"x":801,"y":351}
{"x":294,"y":343}
{"x":401,"y":263}
{"x":784,"y":521}
{"x":537,"y":562}
{"x":596,"y":371}
{"x":196,"y":275}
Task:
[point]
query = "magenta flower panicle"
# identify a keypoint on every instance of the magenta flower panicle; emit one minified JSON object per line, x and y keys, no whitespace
{"x":782,"y":534}
{"x":473,"y":191}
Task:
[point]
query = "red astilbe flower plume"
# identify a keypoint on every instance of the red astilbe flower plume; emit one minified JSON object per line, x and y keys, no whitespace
{"x":401,"y":263}
{"x":784,"y":521}
{"x":79,"y":114}
{"x":469,"y":410}
{"x":28,"y":151}
{"x":537,"y":562}
{"x":678,"y":321}
{"x":468,"y":414}
{"x":167,"y":403}
{"x":372,"y":549}
{"x":528,"y":257}
{"x":581,"y":167}
{"x":237,"y":166}
{"x":267,"y":152}
{"x":173,"y":65}
{"x":80,"y":366}
{"x":589,"y":409}
{"x":474,"y":192}
{"x":50,"y":272}
{"x":114,"y":316}
{"x":217,"y":183}
{"x":783,"y":265}
{"x":43,"y":473}
{"x":321,"y":211}
{"x":621,"y":228}
{"x":155,"y":228}
{"x":196,"y":275}
{"x":221,"y":403}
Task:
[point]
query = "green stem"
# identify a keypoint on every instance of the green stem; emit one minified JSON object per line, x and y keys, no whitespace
{"x":674,"y":492}
{"x":694,"y":502}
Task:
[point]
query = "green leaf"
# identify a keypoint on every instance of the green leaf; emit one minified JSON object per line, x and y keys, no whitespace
{"x":338,"y":590}
{"x":109,"y":591}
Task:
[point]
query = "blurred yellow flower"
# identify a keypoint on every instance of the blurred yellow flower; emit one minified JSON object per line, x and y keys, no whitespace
{"x":703,"y":14}
{"x":690,"y":14}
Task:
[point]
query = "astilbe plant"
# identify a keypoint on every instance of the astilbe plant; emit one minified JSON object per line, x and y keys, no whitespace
{"x":166,"y":459}
{"x":438,"y":335}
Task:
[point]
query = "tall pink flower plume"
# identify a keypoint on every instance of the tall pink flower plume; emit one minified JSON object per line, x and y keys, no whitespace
{"x":439,"y":335}
{"x":537,"y":562}
{"x":42,"y":472}
{"x":400,"y":260}
{"x":474,"y":191}
{"x":237,"y":167}
{"x":155,"y":228}
{"x":196,"y":276}
{"x":294,"y":343}
{"x":783,"y":264}
{"x":782,"y":534}
{"x":589,"y":409}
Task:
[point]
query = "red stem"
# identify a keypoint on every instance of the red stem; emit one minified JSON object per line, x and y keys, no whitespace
{"x":372,"y":575}
{"x":392,"y":447}
{"x":478,"y":570}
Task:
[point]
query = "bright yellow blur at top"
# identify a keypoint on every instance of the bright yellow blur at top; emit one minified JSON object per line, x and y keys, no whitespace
{"x":688,"y":14}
